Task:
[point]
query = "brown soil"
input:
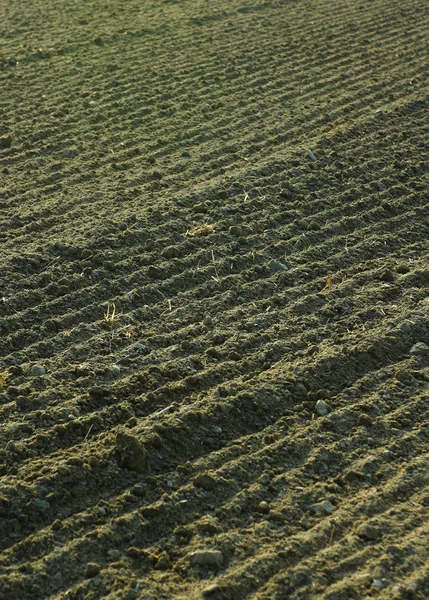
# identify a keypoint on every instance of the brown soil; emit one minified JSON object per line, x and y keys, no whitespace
{"x":214,"y":264}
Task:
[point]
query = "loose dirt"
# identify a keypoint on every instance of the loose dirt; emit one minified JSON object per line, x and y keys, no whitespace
{"x":214,"y":265}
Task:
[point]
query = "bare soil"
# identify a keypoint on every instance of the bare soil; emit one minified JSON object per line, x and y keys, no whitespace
{"x":214,"y":264}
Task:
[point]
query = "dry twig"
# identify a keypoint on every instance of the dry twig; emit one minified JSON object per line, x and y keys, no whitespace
{"x":204,"y":229}
{"x":110,"y":315}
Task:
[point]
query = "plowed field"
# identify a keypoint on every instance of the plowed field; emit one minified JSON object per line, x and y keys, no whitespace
{"x":214,"y":299}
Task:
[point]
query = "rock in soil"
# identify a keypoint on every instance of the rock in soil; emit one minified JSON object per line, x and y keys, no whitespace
{"x":264,"y":507}
{"x":323,"y":508}
{"x":419,"y":349}
{"x":38,"y":370}
{"x":322,"y":408}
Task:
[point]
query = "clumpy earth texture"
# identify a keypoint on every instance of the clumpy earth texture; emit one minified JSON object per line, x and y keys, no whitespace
{"x":214,"y":300}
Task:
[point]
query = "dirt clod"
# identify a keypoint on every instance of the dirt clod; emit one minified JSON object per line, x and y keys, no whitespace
{"x":404,"y":376}
{"x":171,"y":252}
{"x":163,"y":563}
{"x":205,"y":481}
{"x":155,"y":272}
{"x":206,"y":558}
{"x":369,"y":532}
{"x":132,"y":454}
{"x":5,"y":141}
{"x":92,"y":570}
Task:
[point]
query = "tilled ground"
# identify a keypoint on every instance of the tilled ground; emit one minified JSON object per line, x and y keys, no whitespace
{"x":214,"y":265}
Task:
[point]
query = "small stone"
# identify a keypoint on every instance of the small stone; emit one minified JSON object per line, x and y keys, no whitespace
{"x":411,"y":588}
{"x":115,"y":370}
{"x":275,"y":265}
{"x":369,"y":532}
{"x":377,"y":584}
{"x":205,"y":481}
{"x":264,"y":479}
{"x":419,"y":349}
{"x":322,"y":408}
{"x":138,"y":489}
{"x":41,"y":504}
{"x":323,"y":508}
{"x":5,"y":141}
{"x":38,"y":370}
{"x":91,"y":570}
{"x":206,"y":558}
{"x":163,"y":563}
{"x":132,"y":455}
{"x":264,"y":507}
{"x":311,"y":155}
